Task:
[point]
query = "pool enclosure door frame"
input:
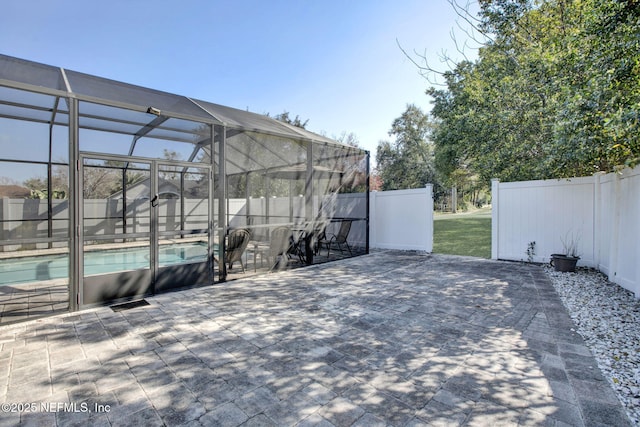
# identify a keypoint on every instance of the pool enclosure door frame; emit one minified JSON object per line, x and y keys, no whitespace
{"x":120,"y":236}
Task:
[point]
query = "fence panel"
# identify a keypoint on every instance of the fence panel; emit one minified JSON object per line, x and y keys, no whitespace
{"x":626,"y":256}
{"x":285,"y":210}
{"x":545,"y":212}
{"x":600,"y":211}
{"x":402,"y":219}
{"x":605,"y":216}
{"x":352,"y":206}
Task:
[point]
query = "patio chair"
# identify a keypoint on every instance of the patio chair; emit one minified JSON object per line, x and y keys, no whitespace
{"x":279,"y":245}
{"x":236,"y":245}
{"x":298,"y":248}
{"x":339,"y":239}
{"x":319,"y":236}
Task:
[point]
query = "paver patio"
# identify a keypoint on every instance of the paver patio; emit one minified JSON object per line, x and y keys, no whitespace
{"x":391,"y":338}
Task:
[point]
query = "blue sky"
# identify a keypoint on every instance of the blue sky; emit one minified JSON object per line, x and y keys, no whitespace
{"x":333,"y":62}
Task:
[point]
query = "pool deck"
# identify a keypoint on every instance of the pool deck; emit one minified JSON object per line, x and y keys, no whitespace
{"x":390,"y":338}
{"x":25,"y":301}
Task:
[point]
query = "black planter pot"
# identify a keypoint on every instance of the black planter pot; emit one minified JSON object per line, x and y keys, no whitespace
{"x":564,"y":263}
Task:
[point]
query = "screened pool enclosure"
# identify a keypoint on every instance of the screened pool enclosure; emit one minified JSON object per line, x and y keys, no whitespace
{"x":111,"y":192}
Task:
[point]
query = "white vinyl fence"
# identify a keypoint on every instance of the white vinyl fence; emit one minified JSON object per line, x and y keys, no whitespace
{"x":402,"y":219}
{"x":260,"y":211}
{"x":601,"y":211}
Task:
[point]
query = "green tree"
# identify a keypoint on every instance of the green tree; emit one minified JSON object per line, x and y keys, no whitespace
{"x":600,"y":113}
{"x":407,"y":162}
{"x":555,"y":92}
{"x":59,"y":184}
{"x":284,"y":117}
{"x":349,"y":138}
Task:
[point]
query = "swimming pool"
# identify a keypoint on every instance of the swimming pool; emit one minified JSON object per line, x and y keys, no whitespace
{"x":48,"y":267}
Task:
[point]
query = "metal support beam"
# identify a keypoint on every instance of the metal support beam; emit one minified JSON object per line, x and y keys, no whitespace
{"x":368,"y":193}
{"x":308,"y":204}
{"x":182,"y":202}
{"x":75,"y":197}
{"x":222,"y":205}
{"x":145,"y":130}
{"x":212,"y":213}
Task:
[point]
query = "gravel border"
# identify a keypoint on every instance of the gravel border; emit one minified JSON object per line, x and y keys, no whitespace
{"x":607,"y":317}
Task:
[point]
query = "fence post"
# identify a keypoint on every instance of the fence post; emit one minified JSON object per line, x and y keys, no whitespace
{"x":615,"y":230}
{"x":373,"y":220}
{"x":495,"y":188}
{"x":597,"y":219}
{"x":4,"y":217}
{"x":429,"y":213}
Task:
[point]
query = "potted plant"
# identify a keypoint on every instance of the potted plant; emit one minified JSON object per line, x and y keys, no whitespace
{"x":566,"y":262}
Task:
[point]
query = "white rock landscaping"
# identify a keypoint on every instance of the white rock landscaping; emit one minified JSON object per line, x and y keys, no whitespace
{"x":607,"y":316}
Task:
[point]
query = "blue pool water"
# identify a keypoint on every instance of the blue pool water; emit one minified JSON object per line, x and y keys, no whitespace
{"x":47,"y":267}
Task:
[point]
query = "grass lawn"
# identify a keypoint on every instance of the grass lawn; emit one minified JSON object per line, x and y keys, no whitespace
{"x":462,"y":234}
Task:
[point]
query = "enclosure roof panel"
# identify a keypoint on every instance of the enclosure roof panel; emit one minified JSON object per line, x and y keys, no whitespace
{"x":310,"y":135}
{"x":111,"y":90}
{"x":31,"y":73}
{"x":102,"y":90}
{"x":247,"y":120}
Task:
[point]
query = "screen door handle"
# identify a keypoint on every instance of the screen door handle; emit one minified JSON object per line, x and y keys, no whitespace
{"x":154,"y":201}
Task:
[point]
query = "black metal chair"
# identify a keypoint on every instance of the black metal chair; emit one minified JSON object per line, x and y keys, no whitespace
{"x":339,"y":239}
{"x":319,"y":236}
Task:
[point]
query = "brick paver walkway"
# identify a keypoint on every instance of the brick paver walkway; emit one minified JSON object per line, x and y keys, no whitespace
{"x":391,"y":338}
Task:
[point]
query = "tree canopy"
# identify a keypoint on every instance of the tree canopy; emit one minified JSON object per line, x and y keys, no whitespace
{"x":285,"y":117}
{"x":407,"y":162}
{"x":554,"y":92}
